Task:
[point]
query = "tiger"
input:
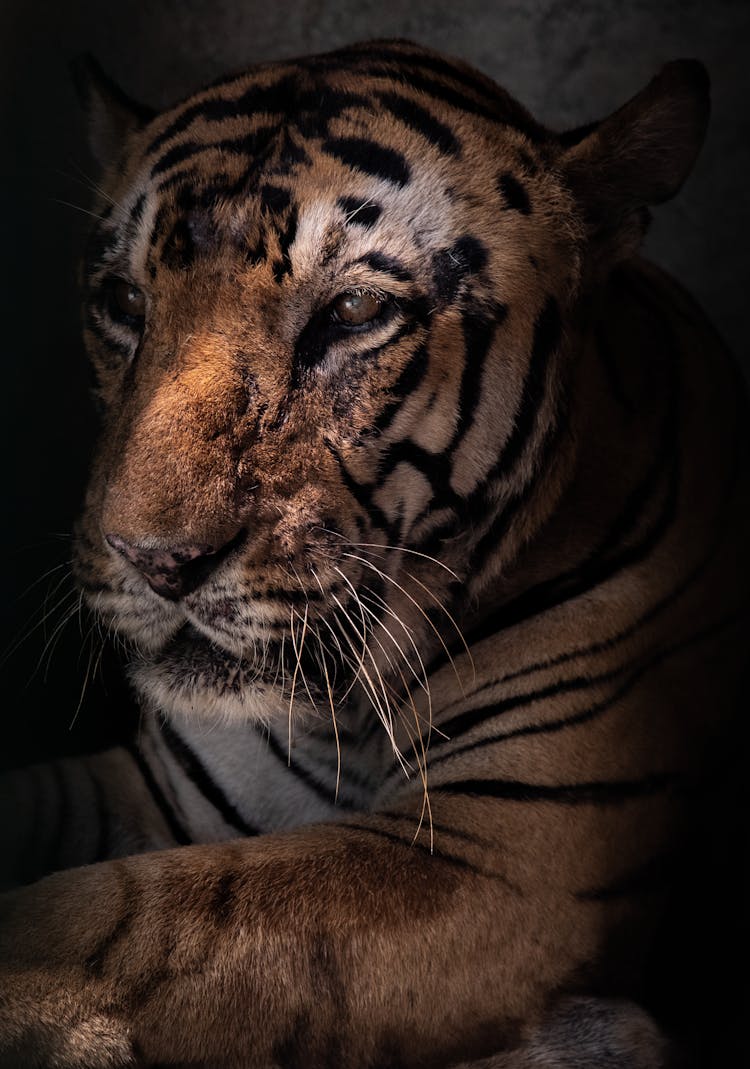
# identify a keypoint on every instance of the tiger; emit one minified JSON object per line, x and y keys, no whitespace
{"x":418,"y":511}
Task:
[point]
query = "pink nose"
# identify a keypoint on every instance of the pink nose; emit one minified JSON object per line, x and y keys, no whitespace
{"x":173,"y":573}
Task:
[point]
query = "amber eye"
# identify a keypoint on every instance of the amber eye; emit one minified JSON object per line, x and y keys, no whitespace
{"x":127,"y":303}
{"x":355,"y":308}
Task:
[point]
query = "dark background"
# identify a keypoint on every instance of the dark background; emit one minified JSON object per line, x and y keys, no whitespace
{"x":569,"y":62}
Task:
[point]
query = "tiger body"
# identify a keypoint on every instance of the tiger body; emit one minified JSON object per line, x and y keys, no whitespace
{"x":437,"y":619}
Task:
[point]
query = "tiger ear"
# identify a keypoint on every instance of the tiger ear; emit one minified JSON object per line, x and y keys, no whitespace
{"x":638,"y":156}
{"x":112,"y":115}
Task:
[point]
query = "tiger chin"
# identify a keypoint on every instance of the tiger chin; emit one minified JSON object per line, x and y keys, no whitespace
{"x":418,"y":508}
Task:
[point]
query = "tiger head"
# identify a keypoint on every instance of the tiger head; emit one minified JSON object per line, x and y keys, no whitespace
{"x":333,"y":305}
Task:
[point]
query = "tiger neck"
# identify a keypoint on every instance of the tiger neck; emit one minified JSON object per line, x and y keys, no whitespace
{"x":612,"y":422}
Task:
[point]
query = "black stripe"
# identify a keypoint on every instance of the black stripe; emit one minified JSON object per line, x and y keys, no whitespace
{"x":368,"y":156}
{"x":408,"y":382}
{"x":272,"y":98}
{"x":479,"y":332}
{"x":178,"y":154}
{"x":422,"y":121}
{"x":290,"y":154}
{"x":321,"y":331}
{"x":612,"y":792}
{"x":176,"y":829}
{"x":274,"y":198}
{"x":359,"y":212}
{"x":434,"y":466}
{"x":422,"y":848}
{"x":283,"y":266}
{"x":594,"y":571}
{"x":98,"y":329}
{"x":574,"y":583}
{"x":665,"y":602}
{"x":362,"y":494}
{"x":313,"y":111}
{"x":549,"y":727}
{"x":406,"y":54}
{"x":547,"y":336}
{"x":462,"y":722}
{"x":192,"y":191}
{"x":496,"y":103}
{"x":450,"y":267}
{"x":514,"y":194}
{"x":136,"y":212}
{"x":255,"y":143}
{"x":486,"y":546}
{"x":164,"y":214}
{"x":294,"y":595}
{"x":388,"y":265}
{"x":322,"y":790}
{"x":442,"y":828}
{"x":454,"y":98}
{"x":597,"y":568}
{"x":500,"y":104}
{"x":96,"y":961}
{"x":502,"y":522}
{"x":198,"y":775}
{"x":102,"y":242}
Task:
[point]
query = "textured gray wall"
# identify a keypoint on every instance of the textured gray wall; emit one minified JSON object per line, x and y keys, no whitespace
{"x":569,"y":62}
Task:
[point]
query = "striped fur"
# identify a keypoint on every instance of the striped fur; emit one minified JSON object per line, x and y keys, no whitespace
{"x":462,"y":627}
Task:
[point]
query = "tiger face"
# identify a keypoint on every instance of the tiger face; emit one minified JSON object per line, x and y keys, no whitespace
{"x":327,"y":304}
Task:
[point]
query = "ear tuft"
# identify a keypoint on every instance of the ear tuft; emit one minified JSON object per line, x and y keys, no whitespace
{"x":112,"y":115}
{"x":640,"y":155}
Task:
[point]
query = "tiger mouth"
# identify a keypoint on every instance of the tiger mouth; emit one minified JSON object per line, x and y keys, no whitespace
{"x":191,"y":660}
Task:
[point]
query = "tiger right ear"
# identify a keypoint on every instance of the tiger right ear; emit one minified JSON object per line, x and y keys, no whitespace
{"x":112,"y":115}
{"x":638,"y":156}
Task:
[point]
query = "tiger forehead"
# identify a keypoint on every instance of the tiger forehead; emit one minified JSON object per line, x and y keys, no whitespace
{"x":240,"y":149}
{"x":409,"y":84}
{"x":309,"y":218}
{"x":386,"y":147}
{"x":311,"y":231}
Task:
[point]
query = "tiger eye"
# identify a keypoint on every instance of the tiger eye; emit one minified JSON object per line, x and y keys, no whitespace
{"x":129,"y":300}
{"x":356,"y":309}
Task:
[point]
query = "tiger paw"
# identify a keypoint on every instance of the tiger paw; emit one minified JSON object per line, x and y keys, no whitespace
{"x":53,"y":1013}
{"x":42,"y":1035}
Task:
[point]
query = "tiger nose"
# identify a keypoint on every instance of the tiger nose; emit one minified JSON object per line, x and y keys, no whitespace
{"x":173,"y":573}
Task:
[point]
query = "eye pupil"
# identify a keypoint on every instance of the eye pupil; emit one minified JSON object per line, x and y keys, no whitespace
{"x":356,"y":309}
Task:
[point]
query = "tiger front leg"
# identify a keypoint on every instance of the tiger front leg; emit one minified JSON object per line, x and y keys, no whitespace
{"x":327,"y":946}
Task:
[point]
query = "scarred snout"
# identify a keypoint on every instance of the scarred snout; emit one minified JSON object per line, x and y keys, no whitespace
{"x":178,"y":472}
{"x":191,"y":471}
{"x":173,"y":573}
